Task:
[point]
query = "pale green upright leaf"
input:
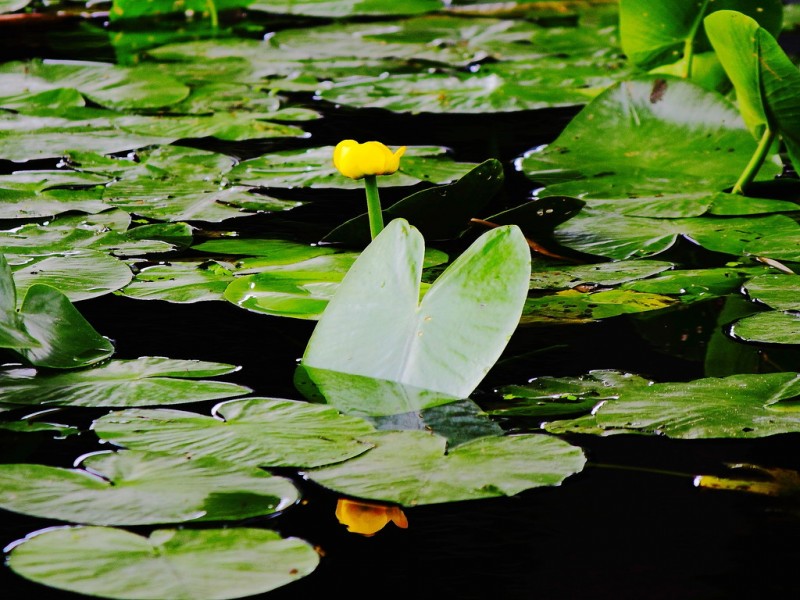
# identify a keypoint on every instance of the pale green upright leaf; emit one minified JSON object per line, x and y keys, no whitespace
{"x":376,"y":326}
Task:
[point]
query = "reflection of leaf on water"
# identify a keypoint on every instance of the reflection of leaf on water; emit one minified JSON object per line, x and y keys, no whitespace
{"x":754,"y":479}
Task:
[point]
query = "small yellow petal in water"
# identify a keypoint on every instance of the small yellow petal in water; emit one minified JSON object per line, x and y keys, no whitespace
{"x":367,"y":518}
{"x":356,"y":160}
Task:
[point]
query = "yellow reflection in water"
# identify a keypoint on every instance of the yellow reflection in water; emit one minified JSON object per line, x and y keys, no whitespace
{"x":368,"y":518}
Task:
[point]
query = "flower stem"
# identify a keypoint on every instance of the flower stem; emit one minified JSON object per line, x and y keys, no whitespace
{"x":751,"y":170}
{"x":212,"y":11}
{"x":373,"y":205}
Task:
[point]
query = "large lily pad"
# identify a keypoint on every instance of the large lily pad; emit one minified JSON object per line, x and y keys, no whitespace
{"x":574,"y":306}
{"x":132,"y":488}
{"x":413,"y":468}
{"x":144,"y":381}
{"x":776,"y":291}
{"x":739,"y":406}
{"x":445,"y":343}
{"x":109,"y":85}
{"x":256,"y":431}
{"x":182,"y":564}
{"x":657,"y":129}
{"x":606,"y":273}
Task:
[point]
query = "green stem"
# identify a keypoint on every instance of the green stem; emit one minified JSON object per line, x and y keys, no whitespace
{"x":640,"y":469}
{"x":373,"y":205}
{"x":212,"y":11}
{"x":751,"y":170}
{"x":688,"y":46}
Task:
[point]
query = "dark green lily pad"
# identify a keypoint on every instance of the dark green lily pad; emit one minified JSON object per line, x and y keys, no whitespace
{"x":181,"y":564}
{"x":739,"y":406}
{"x":107,"y":231}
{"x":144,"y":381}
{"x":132,"y":488}
{"x":313,"y":168}
{"x":622,"y":237}
{"x":546,"y":396}
{"x":663,"y":130}
{"x":264,"y":432}
{"x":691,"y":285}
{"x":108,"y":85}
{"x":574,"y":306}
{"x":608,"y":273}
{"x":781,"y":292}
{"x":413,"y":468}
{"x":782,"y":246}
{"x":774,"y":327}
{"x":492,"y":89}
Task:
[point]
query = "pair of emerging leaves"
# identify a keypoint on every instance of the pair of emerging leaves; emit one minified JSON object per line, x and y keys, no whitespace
{"x":46,"y":330}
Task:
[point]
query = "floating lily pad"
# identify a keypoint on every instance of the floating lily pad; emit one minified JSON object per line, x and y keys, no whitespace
{"x":338,"y":9}
{"x":781,"y":292}
{"x":182,"y":564}
{"x":783,"y":246}
{"x":132,"y":488}
{"x":739,"y":406}
{"x":108,"y":85}
{"x":608,"y":273}
{"x":256,"y":431}
{"x":413,"y":468}
{"x":555,"y":396}
{"x":78,"y":275}
{"x":697,"y":284}
{"x":143,"y":381}
{"x":774,"y":327}
{"x":107,"y":231}
{"x":611,"y":143}
{"x":621,"y":237}
{"x":301,"y":290}
{"x":574,"y":306}
{"x":313,"y":168}
{"x":182,"y":281}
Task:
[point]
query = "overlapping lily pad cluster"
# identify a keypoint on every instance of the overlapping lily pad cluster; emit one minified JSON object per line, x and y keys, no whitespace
{"x":174,"y":170}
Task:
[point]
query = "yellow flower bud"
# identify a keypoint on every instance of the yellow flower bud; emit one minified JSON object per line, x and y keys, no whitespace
{"x":356,"y":160}
{"x":368,"y":518}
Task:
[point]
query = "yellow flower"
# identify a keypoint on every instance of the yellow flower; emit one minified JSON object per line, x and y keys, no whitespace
{"x":367,"y":518}
{"x":356,"y":160}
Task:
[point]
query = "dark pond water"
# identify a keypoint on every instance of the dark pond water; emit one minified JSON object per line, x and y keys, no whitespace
{"x":631,"y":525}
